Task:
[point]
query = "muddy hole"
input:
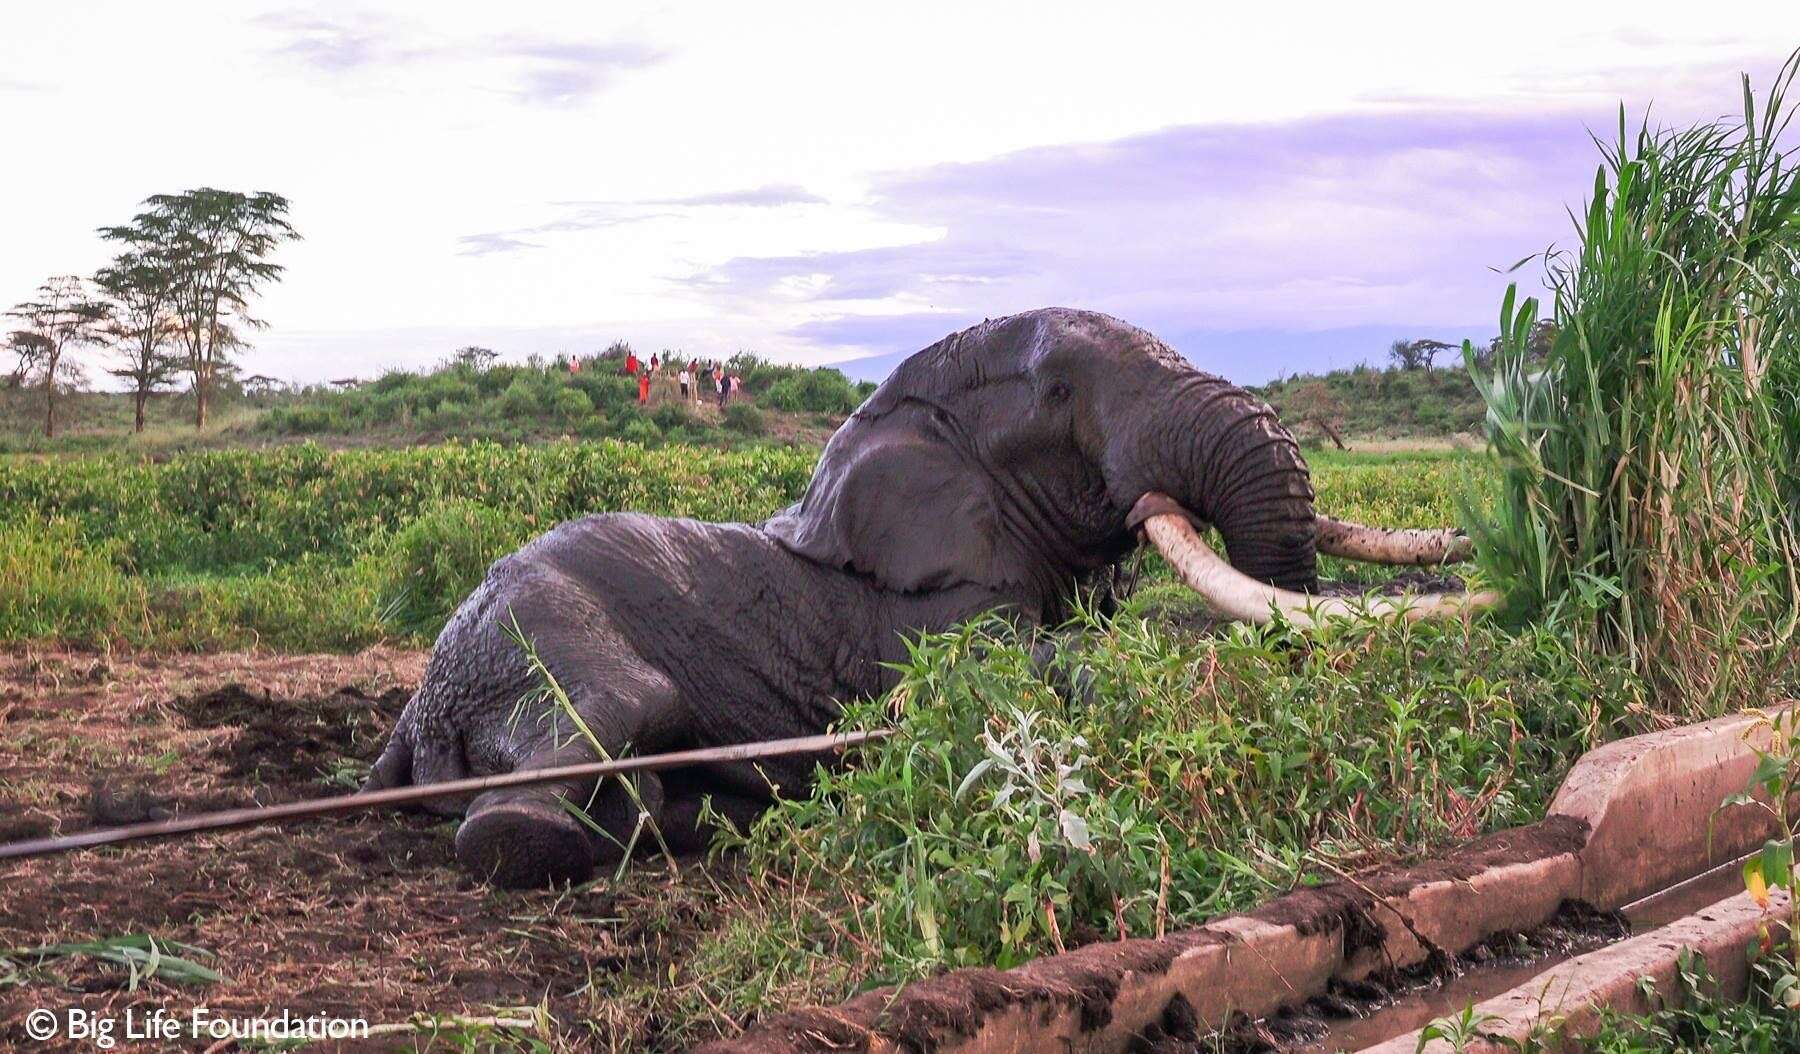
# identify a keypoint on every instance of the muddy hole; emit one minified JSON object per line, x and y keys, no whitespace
{"x":325,"y":739}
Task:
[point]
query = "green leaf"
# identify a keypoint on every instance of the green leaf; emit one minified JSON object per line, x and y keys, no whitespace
{"x":975,"y":773}
{"x":1075,"y":831}
{"x":1777,"y":859}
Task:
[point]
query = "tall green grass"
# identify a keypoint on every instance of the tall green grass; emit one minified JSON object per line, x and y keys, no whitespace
{"x":305,"y":549}
{"x":1649,"y":465}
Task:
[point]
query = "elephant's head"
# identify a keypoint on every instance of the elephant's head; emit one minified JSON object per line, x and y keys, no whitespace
{"x":1024,"y":452}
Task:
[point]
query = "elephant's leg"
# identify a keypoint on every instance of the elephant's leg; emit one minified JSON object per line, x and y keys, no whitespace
{"x":522,"y":837}
{"x":482,"y":710}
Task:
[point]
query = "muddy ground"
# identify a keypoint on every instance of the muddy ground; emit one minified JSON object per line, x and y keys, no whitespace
{"x":364,"y":916}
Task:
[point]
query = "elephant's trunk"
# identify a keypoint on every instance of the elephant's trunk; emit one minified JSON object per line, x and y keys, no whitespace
{"x":1221,"y":454}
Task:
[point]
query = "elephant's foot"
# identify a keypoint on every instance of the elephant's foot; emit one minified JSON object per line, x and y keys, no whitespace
{"x":526,"y":841}
{"x":527,"y":838}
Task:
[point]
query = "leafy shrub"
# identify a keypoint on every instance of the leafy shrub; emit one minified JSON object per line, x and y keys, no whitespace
{"x":744,"y":418}
{"x":640,"y":429}
{"x":449,"y":415}
{"x":290,"y":547}
{"x":819,"y":391}
{"x":520,"y":399}
{"x":439,"y":558}
{"x":671,"y":416}
{"x":572,"y":404}
{"x":54,"y":585}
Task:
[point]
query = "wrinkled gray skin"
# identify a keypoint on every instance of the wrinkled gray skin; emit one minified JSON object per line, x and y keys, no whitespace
{"x":994,"y":469}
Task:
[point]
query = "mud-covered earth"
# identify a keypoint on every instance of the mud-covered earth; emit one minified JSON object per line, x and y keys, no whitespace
{"x":361,"y":916}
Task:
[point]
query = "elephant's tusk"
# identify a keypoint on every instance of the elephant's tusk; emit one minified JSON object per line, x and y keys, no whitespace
{"x":1238,"y":596}
{"x":1392,"y":545}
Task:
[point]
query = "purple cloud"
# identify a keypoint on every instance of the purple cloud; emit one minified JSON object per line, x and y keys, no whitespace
{"x":344,"y":43}
{"x":600,"y":215}
{"x":497,"y":242}
{"x":1333,"y":224}
{"x":565,"y":74}
{"x":768,"y":196}
{"x":546,"y":71}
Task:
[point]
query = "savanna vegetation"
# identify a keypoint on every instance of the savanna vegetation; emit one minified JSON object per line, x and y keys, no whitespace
{"x":1367,"y":402}
{"x":469,"y":398}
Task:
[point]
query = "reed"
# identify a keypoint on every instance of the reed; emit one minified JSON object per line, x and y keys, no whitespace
{"x":1650,"y":460}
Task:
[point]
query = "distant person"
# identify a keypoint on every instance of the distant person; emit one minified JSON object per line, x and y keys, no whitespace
{"x":631,"y":363}
{"x":737,"y":385}
{"x":574,"y":367}
{"x":644,"y":388}
{"x":653,"y":363}
{"x":686,"y":377}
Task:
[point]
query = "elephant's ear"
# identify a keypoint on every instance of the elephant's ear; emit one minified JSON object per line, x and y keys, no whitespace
{"x":894,"y":498}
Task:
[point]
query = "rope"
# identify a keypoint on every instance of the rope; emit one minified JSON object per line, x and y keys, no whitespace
{"x":394,"y":796}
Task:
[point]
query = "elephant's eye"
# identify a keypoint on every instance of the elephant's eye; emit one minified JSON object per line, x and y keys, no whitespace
{"x":1057,"y":392}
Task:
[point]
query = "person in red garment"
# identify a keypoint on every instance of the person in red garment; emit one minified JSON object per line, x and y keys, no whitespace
{"x":643,"y":387}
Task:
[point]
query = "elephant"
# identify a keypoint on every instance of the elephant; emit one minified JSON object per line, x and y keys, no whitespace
{"x":1004,"y":467}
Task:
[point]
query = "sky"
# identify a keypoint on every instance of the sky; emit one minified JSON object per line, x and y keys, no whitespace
{"x":1270,"y":188}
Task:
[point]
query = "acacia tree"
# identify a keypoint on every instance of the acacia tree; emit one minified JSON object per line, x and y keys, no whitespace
{"x":1312,"y":402}
{"x":61,"y":316}
{"x":1416,"y":354}
{"x":28,"y":350}
{"x":216,"y":244}
{"x":474,"y":356}
{"x":140,"y":324}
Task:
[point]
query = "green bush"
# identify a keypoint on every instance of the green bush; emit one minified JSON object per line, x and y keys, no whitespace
{"x":55,"y":585}
{"x":671,"y":416}
{"x":1649,"y":461}
{"x":449,"y":415}
{"x":290,"y":547}
{"x":818,"y":391}
{"x":640,"y":429}
{"x":520,"y":399}
{"x":744,"y":418}
{"x":439,"y":558}
{"x":572,"y":404}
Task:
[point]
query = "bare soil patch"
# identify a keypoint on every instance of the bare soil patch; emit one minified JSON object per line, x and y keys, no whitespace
{"x":359,"y":916}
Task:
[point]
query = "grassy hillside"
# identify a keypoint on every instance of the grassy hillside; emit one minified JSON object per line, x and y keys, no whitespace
{"x":531,"y":402}
{"x":1368,"y":403}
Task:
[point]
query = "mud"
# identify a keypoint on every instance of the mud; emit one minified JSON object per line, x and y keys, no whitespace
{"x":365,"y":914}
